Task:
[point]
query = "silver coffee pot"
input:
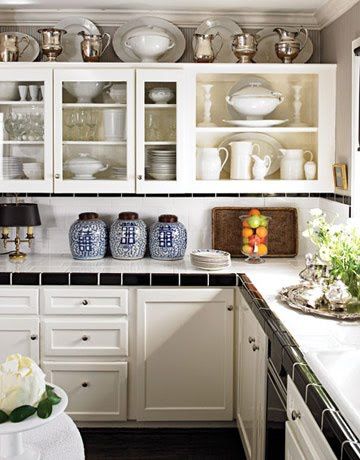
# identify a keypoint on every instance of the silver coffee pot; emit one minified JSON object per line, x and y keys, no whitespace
{"x":289,"y":45}
{"x":92,"y":46}
{"x":51,"y":42}
{"x":10,"y":47}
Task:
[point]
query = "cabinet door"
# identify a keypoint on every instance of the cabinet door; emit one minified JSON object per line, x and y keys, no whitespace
{"x":160,"y":130}
{"x":94,"y":130}
{"x":26,"y":130}
{"x":19,"y":335}
{"x":185,"y":354}
{"x":292,"y":447}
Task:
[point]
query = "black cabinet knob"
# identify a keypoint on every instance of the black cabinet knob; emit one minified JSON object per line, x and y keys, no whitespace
{"x":84,"y":338}
{"x":33,"y":337}
{"x":84,"y":384}
{"x":85,"y":302}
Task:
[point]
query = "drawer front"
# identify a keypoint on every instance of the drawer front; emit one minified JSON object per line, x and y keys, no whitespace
{"x":89,"y":301}
{"x":19,"y":301}
{"x":85,"y":337}
{"x":19,"y":335}
{"x":96,"y":391}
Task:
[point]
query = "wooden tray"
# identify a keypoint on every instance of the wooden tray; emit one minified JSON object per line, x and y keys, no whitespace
{"x":283,"y":230}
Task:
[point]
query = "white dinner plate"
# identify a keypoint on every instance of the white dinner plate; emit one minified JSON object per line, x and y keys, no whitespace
{"x":255,"y":123}
{"x":31,"y":52}
{"x":266,"y":47}
{"x":71,"y":40}
{"x":268,"y":146}
{"x":226,"y":27}
{"x":123,"y":32}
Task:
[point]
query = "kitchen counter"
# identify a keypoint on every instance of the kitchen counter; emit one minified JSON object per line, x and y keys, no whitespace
{"x":298,"y":336}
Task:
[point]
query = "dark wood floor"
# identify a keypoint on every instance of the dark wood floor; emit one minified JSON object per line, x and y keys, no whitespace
{"x":162,"y":444}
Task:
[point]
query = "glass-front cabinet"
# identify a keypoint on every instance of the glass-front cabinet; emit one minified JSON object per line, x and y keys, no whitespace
{"x":26,"y":130}
{"x":160,"y":130}
{"x":94,"y":130}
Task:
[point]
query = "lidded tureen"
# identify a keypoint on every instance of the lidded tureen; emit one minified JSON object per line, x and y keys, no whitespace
{"x":84,"y":166}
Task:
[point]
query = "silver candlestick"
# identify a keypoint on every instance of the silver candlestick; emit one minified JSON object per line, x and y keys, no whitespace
{"x":297,"y":107}
{"x":207,"y":107}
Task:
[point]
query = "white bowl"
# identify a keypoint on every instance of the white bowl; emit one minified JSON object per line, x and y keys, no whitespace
{"x":85,"y":91}
{"x":161,"y":95}
{"x":9,"y":91}
{"x":149,"y":48}
{"x":84,"y":166}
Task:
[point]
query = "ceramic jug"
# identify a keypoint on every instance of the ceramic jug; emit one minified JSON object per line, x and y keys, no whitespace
{"x":310,"y":170}
{"x":261,"y":166}
{"x":241,"y":159}
{"x":203,"y":47}
{"x":208,"y":162}
{"x":292,"y":163}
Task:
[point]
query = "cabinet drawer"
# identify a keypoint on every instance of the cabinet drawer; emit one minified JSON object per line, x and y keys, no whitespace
{"x":96,"y":391}
{"x":19,"y":335}
{"x":85,"y":337}
{"x":89,"y":301}
{"x":19,"y":301}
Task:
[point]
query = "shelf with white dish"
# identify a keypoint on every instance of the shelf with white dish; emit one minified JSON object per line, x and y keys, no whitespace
{"x":269,"y":129}
{"x":20,"y":103}
{"x":160,"y":143}
{"x":23,"y":142}
{"x":91,"y":105}
{"x":160,"y":106}
{"x":94,"y":142}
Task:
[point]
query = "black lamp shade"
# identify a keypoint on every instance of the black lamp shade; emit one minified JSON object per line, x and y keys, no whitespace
{"x":19,"y":215}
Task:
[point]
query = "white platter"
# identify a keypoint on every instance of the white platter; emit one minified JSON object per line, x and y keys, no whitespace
{"x":226,"y":27}
{"x":268,"y":146}
{"x":71,"y":41}
{"x":122,"y":33}
{"x":255,"y":123}
{"x":31,"y":52}
{"x":266,"y":48}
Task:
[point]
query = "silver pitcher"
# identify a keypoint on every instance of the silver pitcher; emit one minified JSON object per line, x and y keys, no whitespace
{"x":51,"y":42}
{"x":289,"y":46}
{"x":10,"y":47}
{"x":92,"y":46}
{"x":244,"y":46}
{"x":203,"y":47}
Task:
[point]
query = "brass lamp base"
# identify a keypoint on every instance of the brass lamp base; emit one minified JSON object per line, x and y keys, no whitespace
{"x":17,"y":256}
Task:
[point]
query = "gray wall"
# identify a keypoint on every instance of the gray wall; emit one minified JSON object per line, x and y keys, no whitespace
{"x":336,"y":48}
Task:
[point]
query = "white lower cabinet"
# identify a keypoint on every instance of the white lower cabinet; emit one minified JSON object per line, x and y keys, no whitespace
{"x":19,"y":335}
{"x":185,"y":354}
{"x":96,"y":391}
{"x":251,"y":381}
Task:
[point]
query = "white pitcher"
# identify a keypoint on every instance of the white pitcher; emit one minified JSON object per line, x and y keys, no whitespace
{"x":261,"y":166}
{"x":208,"y":162}
{"x":241,"y":159}
{"x":292,"y":163}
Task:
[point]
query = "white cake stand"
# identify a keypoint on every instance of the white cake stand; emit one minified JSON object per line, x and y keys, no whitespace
{"x":11,"y":442}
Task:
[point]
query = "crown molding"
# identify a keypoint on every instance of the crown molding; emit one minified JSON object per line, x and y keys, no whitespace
{"x":47,"y":17}
{"x":332,"y":10}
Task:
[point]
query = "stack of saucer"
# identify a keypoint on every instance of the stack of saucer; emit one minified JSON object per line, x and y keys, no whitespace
{"x":162,"y":164}
{"x":118,"y":172}
{"x":210,"y":259}
{"x":12,"y":168}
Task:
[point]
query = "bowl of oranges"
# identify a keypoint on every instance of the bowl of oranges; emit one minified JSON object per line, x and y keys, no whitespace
{"x":255,"y":229}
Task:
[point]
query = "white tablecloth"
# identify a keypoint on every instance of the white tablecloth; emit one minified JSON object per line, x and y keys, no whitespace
{"x":57,"y":440}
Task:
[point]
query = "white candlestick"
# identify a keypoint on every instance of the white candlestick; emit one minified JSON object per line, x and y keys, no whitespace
{"x":297,"y":106}
{"x":207,"y":107}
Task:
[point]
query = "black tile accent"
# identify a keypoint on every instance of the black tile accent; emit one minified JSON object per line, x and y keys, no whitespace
{"x":189,"y":279}
{"x":37,"y":194}
{"x":336,"y":431}
{"x":110,"y":195}
{"x":347,"y":200}
{"x":228,"y":279}
{"x":4,"y":278}
{"x":79,"y":279}
{"x":204,"y":195}
{"x":227,"y":195}
{"x":62,"y":195}
{"x":110,"y":279}
{"x":156,"y":195}
{"x":318,"y":401}
{"x":136,"y":279}
{"x":351,"y":451}
{"x":180,"y":195}
{"x":298,"y":195}
{"x":26,"y":278}
{"x":54,"y":278}
{"x":251,"y":195}
{"x":164,"y":279}
{"x":273,"y":195}
{"x":87,"y":195}
{"x":315,"y":195}
{"x":131,"y":195}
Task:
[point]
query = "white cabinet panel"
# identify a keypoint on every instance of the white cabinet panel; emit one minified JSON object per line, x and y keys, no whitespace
{"x":185,"y":354}
{"x":96,"y":391}
{"x":19,"y":300}
{"x":292,"y":447}
{"x":19,"y":335}
{"x":75,"y":301}
{"x":85,"y":337}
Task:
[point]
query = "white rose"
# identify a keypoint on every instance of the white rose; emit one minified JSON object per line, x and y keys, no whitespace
{"x":22,"y":382}
{"x":316,"y":212}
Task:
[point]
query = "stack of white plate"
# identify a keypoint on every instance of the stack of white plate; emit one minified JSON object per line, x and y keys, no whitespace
{"x":118,"y":172}
{"x":12,"y":168}
{"x":162,"y":164}
{"x":210,"y":259}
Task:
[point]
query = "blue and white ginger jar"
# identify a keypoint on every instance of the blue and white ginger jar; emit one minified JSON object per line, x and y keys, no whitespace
{"x":168,"y":238}
{"x":88,"y":237}
{"x":128,"y":237}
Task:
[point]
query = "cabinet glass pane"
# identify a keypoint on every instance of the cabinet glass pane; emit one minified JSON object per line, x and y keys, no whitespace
{"x":94,"y":130}
{"x":21,"y":130}
{"x":160,"y":130}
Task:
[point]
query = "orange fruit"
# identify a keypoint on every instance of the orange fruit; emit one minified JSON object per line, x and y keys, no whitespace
{"x":261,"y":232}
{"x":262,"y":249}
{"x":254,"y":212}
{"x":247,"y":232}
{"x":247,"y":249}
{"x":254,"y":239}
{"x":245,"y":223}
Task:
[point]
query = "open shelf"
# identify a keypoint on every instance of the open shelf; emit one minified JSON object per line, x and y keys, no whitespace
{"x":160,"y":143}
{"x":273,"y":129}
{"x":92,"y":105}
{"x":94,"y":142}
{"x":21,"y":102}
{"x":160,"y":106}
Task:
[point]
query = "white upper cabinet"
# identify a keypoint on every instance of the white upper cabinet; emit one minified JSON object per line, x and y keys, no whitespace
{"x":94,"y":130}
{"x":26,"y":130}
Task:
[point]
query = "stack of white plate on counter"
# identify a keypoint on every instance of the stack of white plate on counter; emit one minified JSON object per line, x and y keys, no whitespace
{"x":118,"y":172}
{"x":12,"y":168}
{"x":162,"y":164}
{"x":210,"y":259}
